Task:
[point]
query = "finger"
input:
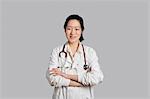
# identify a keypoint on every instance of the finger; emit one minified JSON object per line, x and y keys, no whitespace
{"x":52,"y":73}
{"x":51,"y":70}
{"x":55,"y":69}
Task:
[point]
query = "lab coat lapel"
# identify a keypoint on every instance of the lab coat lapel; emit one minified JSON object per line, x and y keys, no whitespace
{"x":68,"y":59}
{"x":68,"y":56}
{"x":79,"y":58}
{"x":65,"y":61}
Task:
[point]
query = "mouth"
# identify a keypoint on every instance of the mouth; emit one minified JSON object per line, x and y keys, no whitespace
{"x":72,"y":37}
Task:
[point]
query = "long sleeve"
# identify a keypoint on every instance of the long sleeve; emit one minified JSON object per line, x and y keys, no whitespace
{"x":54,"y":80}
{"x":95,"y":75}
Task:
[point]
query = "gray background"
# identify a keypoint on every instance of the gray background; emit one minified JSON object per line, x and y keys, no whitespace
{"x":117,"y":30}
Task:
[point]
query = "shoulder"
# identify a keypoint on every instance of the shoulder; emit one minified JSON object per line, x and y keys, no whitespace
{"x":89,"y":49}
{"x":57,"y":49}
{"x":90,"y":54}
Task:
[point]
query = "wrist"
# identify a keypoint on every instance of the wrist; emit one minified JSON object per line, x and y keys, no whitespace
{"x":64,"y":75}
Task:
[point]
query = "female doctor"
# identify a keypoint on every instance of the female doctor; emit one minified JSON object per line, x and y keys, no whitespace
{"x":73,"y":67}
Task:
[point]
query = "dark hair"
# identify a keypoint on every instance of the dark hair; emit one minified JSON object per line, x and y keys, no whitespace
{"x":79,"y":18}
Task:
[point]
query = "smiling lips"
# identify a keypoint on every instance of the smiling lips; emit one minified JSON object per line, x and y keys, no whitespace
{"x":72,"y":37}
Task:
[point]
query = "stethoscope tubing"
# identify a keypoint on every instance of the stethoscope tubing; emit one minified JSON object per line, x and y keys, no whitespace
{"x":63,"y":51}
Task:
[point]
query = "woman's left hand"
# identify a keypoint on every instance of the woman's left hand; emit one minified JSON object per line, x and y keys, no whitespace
{"x":56,"y":71}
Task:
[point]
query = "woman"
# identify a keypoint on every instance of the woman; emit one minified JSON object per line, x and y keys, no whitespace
{"x":73,"y":67}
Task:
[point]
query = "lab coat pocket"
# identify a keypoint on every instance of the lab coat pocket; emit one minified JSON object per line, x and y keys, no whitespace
{"x":85,"y":93}
{"x":85,"y":97}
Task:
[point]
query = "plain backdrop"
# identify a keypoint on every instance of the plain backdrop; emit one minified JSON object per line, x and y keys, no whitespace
{"x":117,"y":30}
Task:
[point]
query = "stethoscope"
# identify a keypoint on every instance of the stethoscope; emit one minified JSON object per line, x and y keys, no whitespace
{"x":85,"y":66}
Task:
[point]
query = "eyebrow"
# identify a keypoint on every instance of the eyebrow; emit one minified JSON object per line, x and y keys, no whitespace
{"x":73,"y":26}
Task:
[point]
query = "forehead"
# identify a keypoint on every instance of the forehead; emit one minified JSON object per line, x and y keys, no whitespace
{"x":73,"y":22}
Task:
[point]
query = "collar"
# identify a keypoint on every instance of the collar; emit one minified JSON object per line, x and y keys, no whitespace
{"x":79,"y":50}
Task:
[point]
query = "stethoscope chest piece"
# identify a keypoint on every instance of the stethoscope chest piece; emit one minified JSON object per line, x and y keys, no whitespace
{"x":85,"y":67}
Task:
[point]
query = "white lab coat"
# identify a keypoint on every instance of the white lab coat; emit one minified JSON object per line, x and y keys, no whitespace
{"x":62,"y":90}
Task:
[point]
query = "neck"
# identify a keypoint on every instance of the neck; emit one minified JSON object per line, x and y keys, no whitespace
{"x":73,"y":45}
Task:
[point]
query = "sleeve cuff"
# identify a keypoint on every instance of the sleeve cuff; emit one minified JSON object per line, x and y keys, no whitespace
{"x":67,"y":82}
{"x":80,"y":75}
{"x":63,"y":82}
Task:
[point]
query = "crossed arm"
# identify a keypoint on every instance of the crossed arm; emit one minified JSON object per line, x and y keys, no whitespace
{"x":81,"y":79}
{"x":73,"y":78}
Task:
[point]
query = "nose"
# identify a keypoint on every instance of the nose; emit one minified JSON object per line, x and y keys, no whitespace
{"x":73,"y":31}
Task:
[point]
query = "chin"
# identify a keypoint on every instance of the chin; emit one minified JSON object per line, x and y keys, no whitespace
{"x":73,"y":41}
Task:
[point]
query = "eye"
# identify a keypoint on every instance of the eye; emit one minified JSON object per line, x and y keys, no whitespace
{"x":68,"y":28}
{"x":77,"y":29}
